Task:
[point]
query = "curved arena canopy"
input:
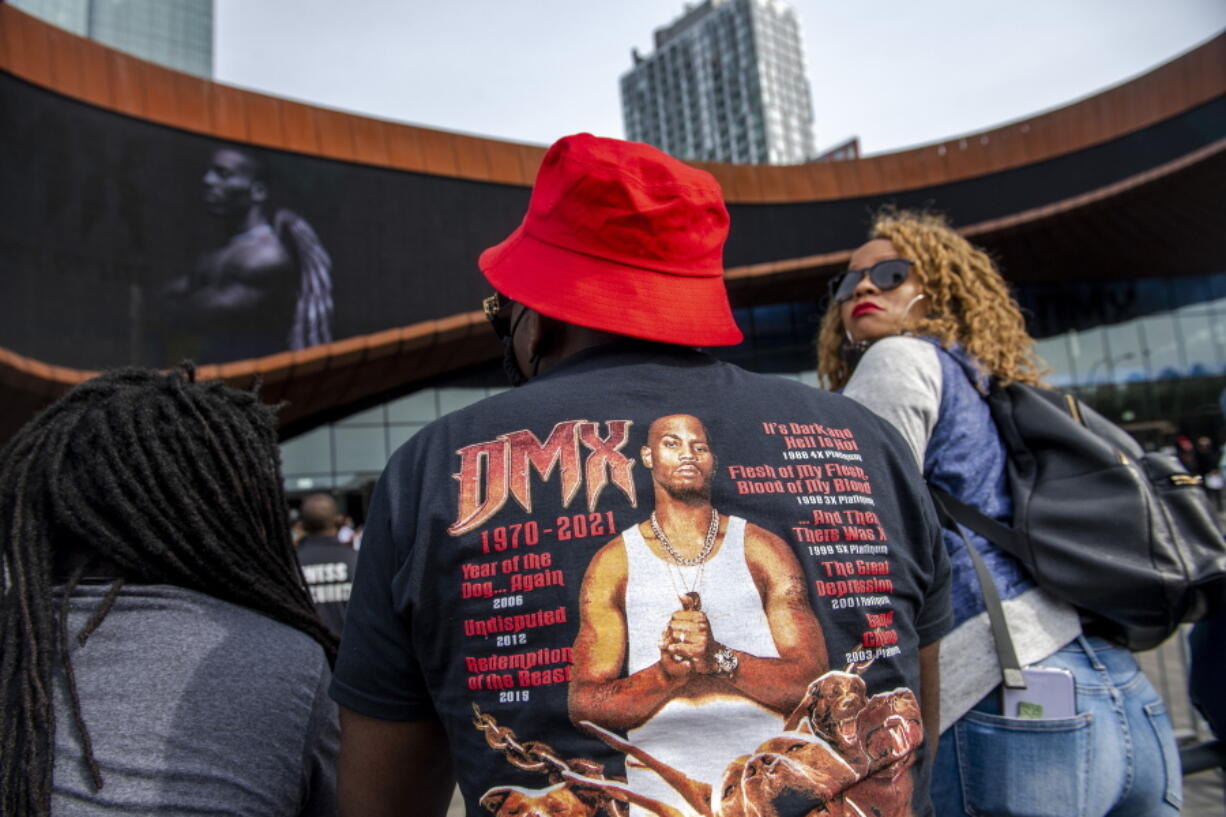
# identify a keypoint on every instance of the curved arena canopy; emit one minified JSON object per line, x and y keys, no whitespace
{"x":108,"y":230}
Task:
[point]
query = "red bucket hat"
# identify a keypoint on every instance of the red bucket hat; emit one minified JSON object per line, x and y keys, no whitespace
{"x":624,"y":238}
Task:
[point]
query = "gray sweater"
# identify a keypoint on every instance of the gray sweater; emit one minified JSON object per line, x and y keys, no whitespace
{"x":195,"y":706}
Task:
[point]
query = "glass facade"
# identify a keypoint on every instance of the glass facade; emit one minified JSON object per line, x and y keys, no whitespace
{"x":1149,"y":354}
{"x":70,"y":15}
{"x":347,"y":456}
{"x":726,"y":83}
{"x":175,"y":33}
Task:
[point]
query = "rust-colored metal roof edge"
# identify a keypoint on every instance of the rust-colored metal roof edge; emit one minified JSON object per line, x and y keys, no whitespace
{"x":1181,"y":84}
{"x":1094,"y":196}
{"x":88,"y":71}
{"x":17,"y":371}
{"x":353,"y":369}
{"x":825,"y":263}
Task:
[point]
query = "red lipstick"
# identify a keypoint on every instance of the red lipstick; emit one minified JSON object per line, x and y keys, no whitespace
{"x":862,"y":308}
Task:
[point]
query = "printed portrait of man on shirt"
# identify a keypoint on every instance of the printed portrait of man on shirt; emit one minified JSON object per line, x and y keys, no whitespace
{"x":708,"y":613}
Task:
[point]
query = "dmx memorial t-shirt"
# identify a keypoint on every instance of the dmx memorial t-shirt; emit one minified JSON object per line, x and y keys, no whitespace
{"x":514,"y":585}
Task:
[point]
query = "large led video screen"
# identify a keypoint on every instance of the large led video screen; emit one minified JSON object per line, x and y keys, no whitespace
{"x":128,"y":242}
{"x":124,"y":241}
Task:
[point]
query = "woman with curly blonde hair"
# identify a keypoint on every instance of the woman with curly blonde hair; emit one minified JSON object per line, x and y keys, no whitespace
{"x":917,"y":329}
{"x":967,"y":301}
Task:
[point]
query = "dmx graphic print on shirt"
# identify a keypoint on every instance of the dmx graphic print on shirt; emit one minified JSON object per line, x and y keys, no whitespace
{"x":670,"y":610}
{"x":770,"y":725}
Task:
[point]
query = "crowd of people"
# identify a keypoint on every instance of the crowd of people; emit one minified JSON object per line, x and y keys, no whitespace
{"x":1207,"y":461}
{"x":646,"y":582}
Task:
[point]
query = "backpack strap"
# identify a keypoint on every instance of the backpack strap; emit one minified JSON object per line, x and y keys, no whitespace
{"x":995,"y":532}
{"x":950,"y":510}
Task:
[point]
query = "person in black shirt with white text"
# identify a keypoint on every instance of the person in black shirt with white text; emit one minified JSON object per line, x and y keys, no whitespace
{"x":327,"y":563}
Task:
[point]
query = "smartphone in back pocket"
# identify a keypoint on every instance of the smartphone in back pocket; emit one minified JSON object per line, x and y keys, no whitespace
{"x":1050,"y":693}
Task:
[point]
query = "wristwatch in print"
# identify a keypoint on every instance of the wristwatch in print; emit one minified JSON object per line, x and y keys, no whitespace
{"x":726,"y":662}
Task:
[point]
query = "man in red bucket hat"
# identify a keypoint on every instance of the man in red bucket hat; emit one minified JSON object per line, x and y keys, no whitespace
{"x":567,"y":601}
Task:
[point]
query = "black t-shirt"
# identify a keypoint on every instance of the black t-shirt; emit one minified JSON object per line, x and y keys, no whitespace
{"x":823,"y":574}
{"x":328,"y":567}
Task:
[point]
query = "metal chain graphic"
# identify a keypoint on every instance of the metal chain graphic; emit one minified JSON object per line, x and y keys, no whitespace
{"x":531,"y":756}
{"x":535,"y":756}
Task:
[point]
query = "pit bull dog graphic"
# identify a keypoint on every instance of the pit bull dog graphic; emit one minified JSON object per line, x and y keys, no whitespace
{"x":844,"y":755}
{"x":561,"y":800}
{"x":829,"y":711}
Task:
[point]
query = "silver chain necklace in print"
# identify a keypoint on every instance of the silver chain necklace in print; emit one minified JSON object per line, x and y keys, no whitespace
{"x":676,"y":577}
{"x":708,"y":544}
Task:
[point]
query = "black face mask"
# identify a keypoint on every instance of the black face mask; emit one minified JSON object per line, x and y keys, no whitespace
{"x":510,"y":366}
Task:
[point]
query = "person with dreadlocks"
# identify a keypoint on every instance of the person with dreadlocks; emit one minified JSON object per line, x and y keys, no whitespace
{"x":915,"y":329}
{"x":159,"y":651}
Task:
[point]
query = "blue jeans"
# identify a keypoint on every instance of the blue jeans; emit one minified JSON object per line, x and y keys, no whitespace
{"x":1116,"y":757}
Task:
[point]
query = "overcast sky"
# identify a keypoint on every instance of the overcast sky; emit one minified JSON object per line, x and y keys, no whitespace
{"x":895,"y":73}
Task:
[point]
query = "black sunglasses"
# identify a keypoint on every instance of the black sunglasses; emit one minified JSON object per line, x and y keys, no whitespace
{"x":885,"y":275}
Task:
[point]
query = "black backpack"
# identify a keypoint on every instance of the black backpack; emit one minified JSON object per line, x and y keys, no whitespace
{"x":1123,"y":534}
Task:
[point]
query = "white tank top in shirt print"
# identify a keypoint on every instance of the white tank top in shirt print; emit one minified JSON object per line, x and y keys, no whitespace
{"x":698,"y":736}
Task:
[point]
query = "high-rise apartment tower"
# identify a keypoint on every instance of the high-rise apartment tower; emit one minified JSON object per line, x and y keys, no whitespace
{"x":174,"y":33}
{"x":726,"y":83}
